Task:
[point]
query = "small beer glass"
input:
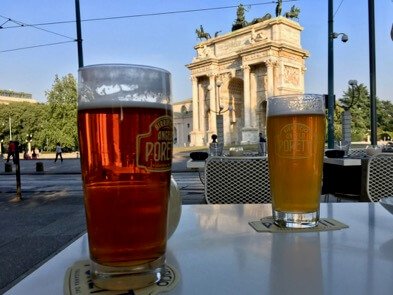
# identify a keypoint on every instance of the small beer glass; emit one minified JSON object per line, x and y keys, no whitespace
{"x":296,"y":139}
{"x":125,"y":136}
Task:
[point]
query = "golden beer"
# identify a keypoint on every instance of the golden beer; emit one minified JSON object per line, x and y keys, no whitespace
{"x":295,"y":153}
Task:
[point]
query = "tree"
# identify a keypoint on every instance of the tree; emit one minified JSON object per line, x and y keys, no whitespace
{"x":360,"y":112}
{"x":61,"y":123}
{"x":24,"y":119}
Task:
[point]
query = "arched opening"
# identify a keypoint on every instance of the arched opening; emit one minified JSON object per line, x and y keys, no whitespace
{"x":261,"y":116}
{"x":175,"y":136}
{"x":183,"y":110}
{"x":234,"y":104}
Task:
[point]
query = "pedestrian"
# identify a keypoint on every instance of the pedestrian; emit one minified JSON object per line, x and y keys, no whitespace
{"x":11,"y":151}
{"x":26,"y":155}
{"x":262,"y":145}
{"x":58,"y":152}
{"x":34,"y":155}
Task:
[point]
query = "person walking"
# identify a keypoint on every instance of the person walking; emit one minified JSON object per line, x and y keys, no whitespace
{"x":262,"y":145}
{"x":11,"y":151}
{"x":59,"y":152}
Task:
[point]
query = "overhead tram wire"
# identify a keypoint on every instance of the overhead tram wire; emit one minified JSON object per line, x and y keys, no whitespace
{"x":111,"y":18}
{"x":338,"y":8}
{"x":22,"y":24}
{"x":148,"y":14}
{"x":35,"y":46}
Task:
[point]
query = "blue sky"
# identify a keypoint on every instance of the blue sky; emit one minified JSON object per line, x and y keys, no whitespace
{"x":167,"y":41}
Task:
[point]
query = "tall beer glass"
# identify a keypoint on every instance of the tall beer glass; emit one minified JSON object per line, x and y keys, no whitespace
{"x":296,"y":139}
{"x":125,"y":135}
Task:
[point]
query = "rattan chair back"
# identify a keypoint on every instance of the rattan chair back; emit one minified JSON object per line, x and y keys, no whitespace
{"x":237,"y":180}
{"x":379,"y":177}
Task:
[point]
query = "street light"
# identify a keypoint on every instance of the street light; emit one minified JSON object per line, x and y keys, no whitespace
{"x":331,"y":36}
{"x":220,"y":110}
{"x":346,"y":115}
{"x":28,"y":140}
{"x":344,"y":37}
{"x":354,"y":86}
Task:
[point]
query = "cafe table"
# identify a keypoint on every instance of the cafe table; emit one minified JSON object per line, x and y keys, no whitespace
{"x":215,"y":251}
{"x":345,"y":177}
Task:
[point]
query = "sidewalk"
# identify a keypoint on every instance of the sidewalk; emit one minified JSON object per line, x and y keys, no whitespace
{"x":68,"y":166}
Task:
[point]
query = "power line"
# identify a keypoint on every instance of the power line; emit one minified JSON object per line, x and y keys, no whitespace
{"x":21,"y":24}
{"x":338,"y":8}
{"x":111,"y":18}
{"x":148,"y":14}
{"x":35,"y":46}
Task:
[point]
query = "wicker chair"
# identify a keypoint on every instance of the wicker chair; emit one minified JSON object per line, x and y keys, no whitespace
{"x":237,"y":180}
{"x":379,"y":181}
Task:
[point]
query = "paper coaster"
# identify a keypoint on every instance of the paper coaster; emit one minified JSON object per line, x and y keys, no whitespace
{"x":77,"y":281}
{"x":267,"y":225}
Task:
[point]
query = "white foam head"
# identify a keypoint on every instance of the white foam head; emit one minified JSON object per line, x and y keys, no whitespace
{"x":116,"y":84}
{"x":296,"y":104}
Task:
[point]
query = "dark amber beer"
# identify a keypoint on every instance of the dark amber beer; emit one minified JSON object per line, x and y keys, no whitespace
{"x":296,"y":138}
{"x":126,"y":156}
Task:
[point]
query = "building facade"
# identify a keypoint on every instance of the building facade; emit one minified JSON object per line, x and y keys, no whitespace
{"x":8,"y":96}
{"x":182,"y":123}
{"x":233,"y":74}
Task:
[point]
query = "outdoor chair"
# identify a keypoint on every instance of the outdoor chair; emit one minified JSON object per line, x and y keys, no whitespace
{"x":357,"y":153}
{"x":237,"y":180}
{"x":379,"y":181}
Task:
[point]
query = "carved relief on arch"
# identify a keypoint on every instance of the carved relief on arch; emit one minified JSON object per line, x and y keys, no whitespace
{"x":291,"y":75}
{"x":225,"y":77}
{"x":271,"y":62}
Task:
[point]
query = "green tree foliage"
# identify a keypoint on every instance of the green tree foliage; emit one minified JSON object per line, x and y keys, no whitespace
{"x":61,"y":123}
{"x":360,"y":111}
{"x":22,"y":119}
{"x":55,"y":121}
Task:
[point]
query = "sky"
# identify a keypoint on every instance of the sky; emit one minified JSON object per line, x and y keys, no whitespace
{"x":168,"y":40}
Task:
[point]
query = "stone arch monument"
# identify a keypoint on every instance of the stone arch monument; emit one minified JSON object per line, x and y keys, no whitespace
{"x":233,"y":74}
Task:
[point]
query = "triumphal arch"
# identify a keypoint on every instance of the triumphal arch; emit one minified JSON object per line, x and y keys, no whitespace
{"x":233,"y":74}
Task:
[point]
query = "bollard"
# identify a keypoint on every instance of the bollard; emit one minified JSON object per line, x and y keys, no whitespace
{"x":39,"y":167}
{"x":7,"y":167}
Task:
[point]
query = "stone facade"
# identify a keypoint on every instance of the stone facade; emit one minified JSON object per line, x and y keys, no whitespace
{"x":7,"y":97}
{"x":233,"y":74}
{"x":182,"y":122}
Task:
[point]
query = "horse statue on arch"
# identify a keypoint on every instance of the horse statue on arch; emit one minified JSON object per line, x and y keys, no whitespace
{"x":201,"y":34}
{"x":293,"y":13}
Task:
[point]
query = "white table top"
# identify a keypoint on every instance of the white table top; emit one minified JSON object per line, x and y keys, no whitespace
{"x":217,"y":252}
{"x":343,"y":161}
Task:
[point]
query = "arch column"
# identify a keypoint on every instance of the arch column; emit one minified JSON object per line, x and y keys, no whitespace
{"x":196,"y":138}
{"x":247,"y":96}
{"x":270,"y":77}
{"x":202,"y":112}
{"x":212,"y":106}
{"x":249,"y":134}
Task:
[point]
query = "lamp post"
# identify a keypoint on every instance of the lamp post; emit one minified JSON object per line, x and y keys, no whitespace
{"x":28,"y":140}
{"x":373,"y":79}
{"x":9,"y":122}
{"x":346,"y":115}
{"x":219,"y":116}
{"x":331,"y":36}
{"x":219,"y":113}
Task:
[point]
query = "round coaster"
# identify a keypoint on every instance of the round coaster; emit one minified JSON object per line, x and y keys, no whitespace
{"x":77,"y":281}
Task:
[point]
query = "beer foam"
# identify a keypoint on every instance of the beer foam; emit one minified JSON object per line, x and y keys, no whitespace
{"x":297,"y":104}
{"x":103,"y":104}
{"x":119,"y":82}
